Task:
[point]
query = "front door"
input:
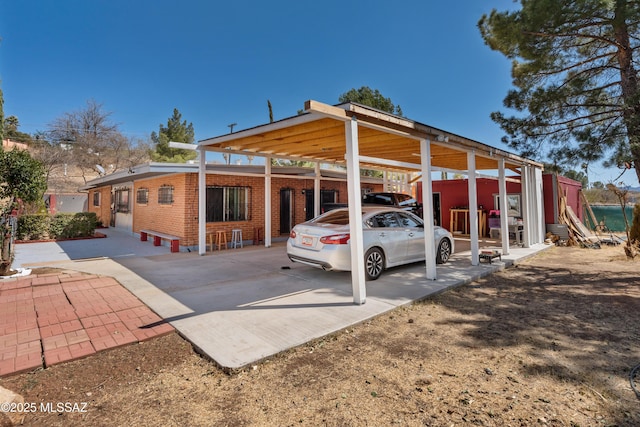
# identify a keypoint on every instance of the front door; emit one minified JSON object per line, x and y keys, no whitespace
{"x":286,"y":210}
{"x":437,"y":215}
{"x":326,"y":196}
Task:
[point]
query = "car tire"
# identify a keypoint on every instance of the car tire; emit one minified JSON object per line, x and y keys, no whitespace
{"x":373,"y":263}
{"x":444,"y":251}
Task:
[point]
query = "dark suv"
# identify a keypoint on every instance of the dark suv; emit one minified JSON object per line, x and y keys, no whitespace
{"x":398,"y":200}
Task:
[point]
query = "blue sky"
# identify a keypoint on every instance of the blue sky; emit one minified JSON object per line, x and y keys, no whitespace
{"x":219,"y":62}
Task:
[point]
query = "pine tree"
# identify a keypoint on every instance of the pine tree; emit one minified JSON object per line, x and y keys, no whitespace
{"x":176,"y":130}
{"x":577,"y":90}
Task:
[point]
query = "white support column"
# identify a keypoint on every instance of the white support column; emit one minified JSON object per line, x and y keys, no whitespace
{"x":202,"y":203}
{"x":473,"y":208}
{"x":534,"y":223}
{"x":526,"y":205}
{"x":267,"y":202}
{"x":539,"y":199}
{"x":427,"y":209}
{"x":355,"y":212}
{"x":504,"y":217}
{"x":316,"y":191}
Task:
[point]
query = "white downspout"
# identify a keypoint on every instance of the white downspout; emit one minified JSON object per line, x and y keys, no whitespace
{"x":267,"y":202}
{"x":202,"y":203}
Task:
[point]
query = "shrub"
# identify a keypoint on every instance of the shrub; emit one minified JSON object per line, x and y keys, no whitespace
{"x":33,"y":227}
{"x":67,"y":225}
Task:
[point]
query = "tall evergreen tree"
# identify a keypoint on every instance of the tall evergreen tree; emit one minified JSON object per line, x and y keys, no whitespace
{"x":577,"y":89}
{"x":176,"y":130}
{"x":10,"y":129}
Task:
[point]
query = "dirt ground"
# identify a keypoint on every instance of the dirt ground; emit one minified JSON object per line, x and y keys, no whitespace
{"x":550,"y":342}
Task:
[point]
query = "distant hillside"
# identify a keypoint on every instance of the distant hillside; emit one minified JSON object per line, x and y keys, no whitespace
{"x":67,"y":179}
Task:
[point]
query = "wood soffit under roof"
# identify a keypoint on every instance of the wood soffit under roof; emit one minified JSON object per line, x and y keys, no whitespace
{"x":319,"y":134}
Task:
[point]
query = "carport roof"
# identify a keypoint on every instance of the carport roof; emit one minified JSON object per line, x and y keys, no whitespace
{"x":318,"y":134}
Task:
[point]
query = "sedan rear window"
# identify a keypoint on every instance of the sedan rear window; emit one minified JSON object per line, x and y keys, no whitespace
{"x":337,"y":217}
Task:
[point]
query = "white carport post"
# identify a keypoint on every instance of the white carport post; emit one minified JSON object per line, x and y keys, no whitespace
{"x":504,"y":213}
{"x":352,"y":158}
{"x":267,"y":202}
{"x":316,"y":191}
{"x":427,"y":209}
{"x":202,"y":203}
{"x":532,"y":206}
{"x":525,"y":184}
{"x":473,"y":208}
{"x":538,"y":224}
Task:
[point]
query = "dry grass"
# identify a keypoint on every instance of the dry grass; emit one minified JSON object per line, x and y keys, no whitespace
{"x":550,"y":342}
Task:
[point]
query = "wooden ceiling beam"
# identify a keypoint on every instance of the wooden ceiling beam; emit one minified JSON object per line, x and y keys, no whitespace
{"x":327,"y":135}
{"x":291,"y":132}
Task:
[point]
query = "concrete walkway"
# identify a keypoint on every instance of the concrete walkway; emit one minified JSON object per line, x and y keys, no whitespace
{"x":240,"y":306}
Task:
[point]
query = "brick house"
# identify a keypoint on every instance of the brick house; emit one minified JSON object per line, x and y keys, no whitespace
{"x":164,"y":197}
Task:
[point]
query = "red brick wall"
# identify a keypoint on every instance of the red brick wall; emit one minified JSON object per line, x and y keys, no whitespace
{"x":171,"y":219}
{"x":181,"y":217}
{"x":104,"y":210}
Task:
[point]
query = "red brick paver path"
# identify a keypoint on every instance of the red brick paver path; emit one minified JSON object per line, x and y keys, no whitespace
{"x":53,"y":318}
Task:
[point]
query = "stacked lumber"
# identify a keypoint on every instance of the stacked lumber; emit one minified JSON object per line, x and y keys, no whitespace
{"x":579,"y":234}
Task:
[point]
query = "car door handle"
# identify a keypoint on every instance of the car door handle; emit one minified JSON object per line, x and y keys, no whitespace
{"x":411,"y":234}
{"x":382,"y":234}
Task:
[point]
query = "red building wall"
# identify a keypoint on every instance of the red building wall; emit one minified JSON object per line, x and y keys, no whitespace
{"x":568,"y":188}
{"x":101,"y":204}
{"x":455,"y":194}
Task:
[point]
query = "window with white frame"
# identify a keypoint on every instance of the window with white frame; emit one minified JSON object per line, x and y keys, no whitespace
{"x":513,"y":204}
{"x":96,"y":198}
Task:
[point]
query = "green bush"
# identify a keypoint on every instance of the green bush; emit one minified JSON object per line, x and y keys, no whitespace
{"x":59,"y":226}
{"x":634,"y":233}
{"x":33,"y":227}
{"x":68,"y":225}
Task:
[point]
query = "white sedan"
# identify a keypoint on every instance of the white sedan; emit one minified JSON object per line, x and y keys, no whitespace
{"x":391,"y":237}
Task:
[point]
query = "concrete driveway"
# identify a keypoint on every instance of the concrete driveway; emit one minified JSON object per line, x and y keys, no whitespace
{"x":242,"y":305}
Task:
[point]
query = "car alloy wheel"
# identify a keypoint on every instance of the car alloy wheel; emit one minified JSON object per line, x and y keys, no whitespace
{"x":373,"y":263}
{"x":444,"y":251}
